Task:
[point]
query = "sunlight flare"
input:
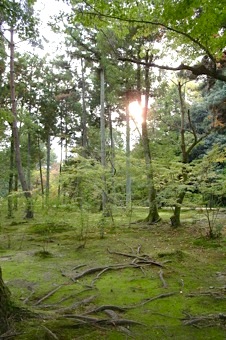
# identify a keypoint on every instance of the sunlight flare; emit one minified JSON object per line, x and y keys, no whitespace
{"x":135,"y":110}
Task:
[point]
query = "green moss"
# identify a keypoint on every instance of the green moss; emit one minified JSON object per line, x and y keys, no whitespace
{"x":189,"y":268}
{"x":207,"y":243}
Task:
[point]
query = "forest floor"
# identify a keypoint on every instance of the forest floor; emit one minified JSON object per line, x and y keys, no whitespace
{"x":85,"y":277}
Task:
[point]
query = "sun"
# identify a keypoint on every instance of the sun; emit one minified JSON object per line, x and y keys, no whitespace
{"x":135,"y":110}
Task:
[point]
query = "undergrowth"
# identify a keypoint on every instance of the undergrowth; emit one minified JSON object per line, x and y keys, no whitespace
{"x":181,"y":295}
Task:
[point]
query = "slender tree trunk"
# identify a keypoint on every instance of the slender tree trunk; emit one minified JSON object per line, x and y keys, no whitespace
{"x":153,"y":215}
{"x":61,"y":156}
{"x":15,"y":199}
{"x":128,"y":165}
{"x":11,"y":172}
{"x":25,"y":188}
{"x":40,"y":168}
{"x":29,"y":160}
{"x":5,"y":306}
{"x":84,"y":116}
{"x":112,"y":153}
{"x":102,"y":132}
{"x":48,"y":148}
{"x":175,"y":218}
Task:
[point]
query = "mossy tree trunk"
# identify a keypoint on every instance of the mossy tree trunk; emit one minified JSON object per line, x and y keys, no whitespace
{"x":5,"y":305}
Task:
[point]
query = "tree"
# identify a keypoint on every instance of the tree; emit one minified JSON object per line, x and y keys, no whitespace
{"x":14,"y":15}
{"x":5,"y":305}
{"x":18,"y":16}
{"x":193,"y":30}
{"x":21,"y":174}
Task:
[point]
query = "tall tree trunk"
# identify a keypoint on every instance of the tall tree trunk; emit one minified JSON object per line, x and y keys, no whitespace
{"x":175,"y":218}
{"x":61,"y":156}
{"x":40,"y":168}
{"x":11,"y":172}
{"x":25,"y":188}
{"x":112,"y":153}
{"x":48,"y":149}
{"x":102,"y":132}
{"x":5,"y":305}
{"x":128,"y":165}
{"x":153,"y":215}
{"x":84,"y":116}
{"x":15,"y":199}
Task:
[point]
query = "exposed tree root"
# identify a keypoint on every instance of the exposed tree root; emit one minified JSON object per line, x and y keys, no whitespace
{"x":138,"y":259}
{"x":106,"y":307}
{"x":205,"y":320}
{"x":103,"y":269}
{"x":162,"y":279}
{"x":219,"y":294}
{"x":77,"y":304}
{"x":111,"y":311}
{"x":50,"y":333}
{"x":47,"y":295}
{"x":161,"y":296}
{"x":107,"y":322}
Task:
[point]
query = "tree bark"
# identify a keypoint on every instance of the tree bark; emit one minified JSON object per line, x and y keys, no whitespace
{"x":153,"y":215}
{"x":128,"y":161}
{"x":5,"y":305}
{"x":24,"y":185}
{"x":84,"y":115}
{"x":11,"y":172}
{"x":48,"y":149}
{"x":175,"y":218}
{"x":102,"y":132}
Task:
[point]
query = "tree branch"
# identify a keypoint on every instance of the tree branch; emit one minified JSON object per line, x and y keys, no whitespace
{"x":197,"y":70}
{"x":153,"y":23}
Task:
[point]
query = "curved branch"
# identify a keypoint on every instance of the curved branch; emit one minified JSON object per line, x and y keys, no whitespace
{"x":197,"y":70}
{"x":154,"y":23}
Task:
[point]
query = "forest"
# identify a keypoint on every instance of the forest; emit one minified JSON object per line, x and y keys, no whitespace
{"x":113,"y":169}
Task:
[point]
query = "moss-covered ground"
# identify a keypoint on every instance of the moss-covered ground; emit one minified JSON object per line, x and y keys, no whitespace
{"x":40,"y":259}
